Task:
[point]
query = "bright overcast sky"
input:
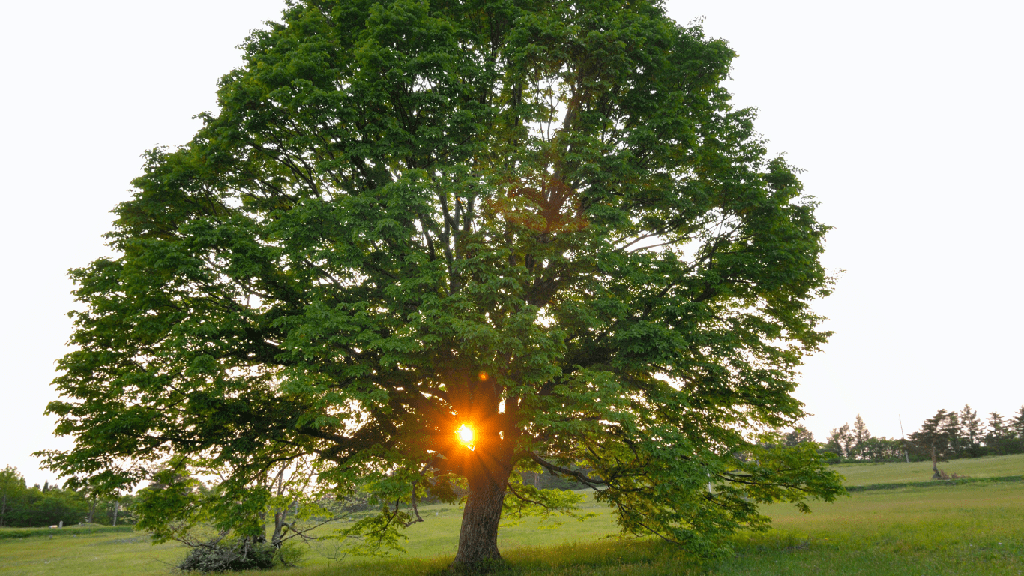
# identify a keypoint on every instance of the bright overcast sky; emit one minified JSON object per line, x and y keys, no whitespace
{"x":906,"y":117}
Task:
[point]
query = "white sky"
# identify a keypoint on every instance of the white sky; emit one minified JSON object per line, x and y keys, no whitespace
{"x":906,"y":116}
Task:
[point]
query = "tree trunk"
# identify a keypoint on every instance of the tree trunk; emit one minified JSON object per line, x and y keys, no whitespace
{"x":277,"y":537}
{"x":488,"y":480}
{"x":279,"y":515}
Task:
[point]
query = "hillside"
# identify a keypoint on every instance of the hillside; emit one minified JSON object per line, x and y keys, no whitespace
{"x":859,"y":475}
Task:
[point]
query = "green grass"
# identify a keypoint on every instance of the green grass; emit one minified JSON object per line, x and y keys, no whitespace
{"x":975,"y":529}
{"x":903,"y":473}
{"x":71,"y":530}
{"x":97,"y":553}
{"x":438,"y":535}
{"x":936,"y":529}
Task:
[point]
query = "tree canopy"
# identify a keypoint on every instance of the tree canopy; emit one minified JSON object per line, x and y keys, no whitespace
{"x":541,"y":219}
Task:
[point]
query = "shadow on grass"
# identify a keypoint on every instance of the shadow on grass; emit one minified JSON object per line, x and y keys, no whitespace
{"x":609,"y":557}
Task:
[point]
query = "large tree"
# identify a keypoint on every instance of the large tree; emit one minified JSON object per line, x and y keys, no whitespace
{"x":932,"y":441}
{"x":541,"y":219}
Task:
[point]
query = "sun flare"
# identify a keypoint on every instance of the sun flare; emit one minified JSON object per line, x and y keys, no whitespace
{"x":466,"y":434}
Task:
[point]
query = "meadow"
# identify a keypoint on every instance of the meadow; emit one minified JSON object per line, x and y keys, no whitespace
{"x":920,"y":527}
{"x":920,"y":473}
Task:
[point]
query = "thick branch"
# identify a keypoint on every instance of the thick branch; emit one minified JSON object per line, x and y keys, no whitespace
{"x":579,"y":476}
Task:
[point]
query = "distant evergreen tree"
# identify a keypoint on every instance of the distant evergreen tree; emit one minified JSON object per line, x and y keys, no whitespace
{"x":1018,"y":430}
{"x":932,"y":440}
{"x":999,"y":439}
{"x":861,"y":435}
{"x":971,"y":432}
{"x":951,"y":427}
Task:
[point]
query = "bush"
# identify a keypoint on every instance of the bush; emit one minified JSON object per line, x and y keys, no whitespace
{"x":235,"y":555}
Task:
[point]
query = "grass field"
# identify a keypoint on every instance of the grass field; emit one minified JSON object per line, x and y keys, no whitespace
{"x":902,"y":473}
{"x":934,"y":529}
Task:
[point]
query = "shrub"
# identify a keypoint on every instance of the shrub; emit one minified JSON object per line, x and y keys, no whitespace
{"x":220,"y":556}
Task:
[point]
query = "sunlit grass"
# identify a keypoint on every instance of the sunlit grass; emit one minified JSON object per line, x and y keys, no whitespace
{"x":943,"y":530}
{"x":939,"y":529}
{"x":438,"y":535}
{"x":965,"y":529}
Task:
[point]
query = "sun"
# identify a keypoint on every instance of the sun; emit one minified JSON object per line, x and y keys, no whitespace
{"x":466,"y":435}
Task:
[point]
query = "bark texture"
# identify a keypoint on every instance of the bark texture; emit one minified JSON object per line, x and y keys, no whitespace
{"x":488,"y":480}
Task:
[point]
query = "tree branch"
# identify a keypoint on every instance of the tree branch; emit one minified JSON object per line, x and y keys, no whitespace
{"x":579,"y":476}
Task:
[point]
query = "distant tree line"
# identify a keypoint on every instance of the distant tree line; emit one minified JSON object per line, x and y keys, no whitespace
{"x":946,"y":435}
{"x":50,"y":505}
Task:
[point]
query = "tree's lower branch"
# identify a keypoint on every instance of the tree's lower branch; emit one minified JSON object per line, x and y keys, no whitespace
{"x":579,"y":476}
{"x":512,"y":489}
{"x":415,"y":509}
